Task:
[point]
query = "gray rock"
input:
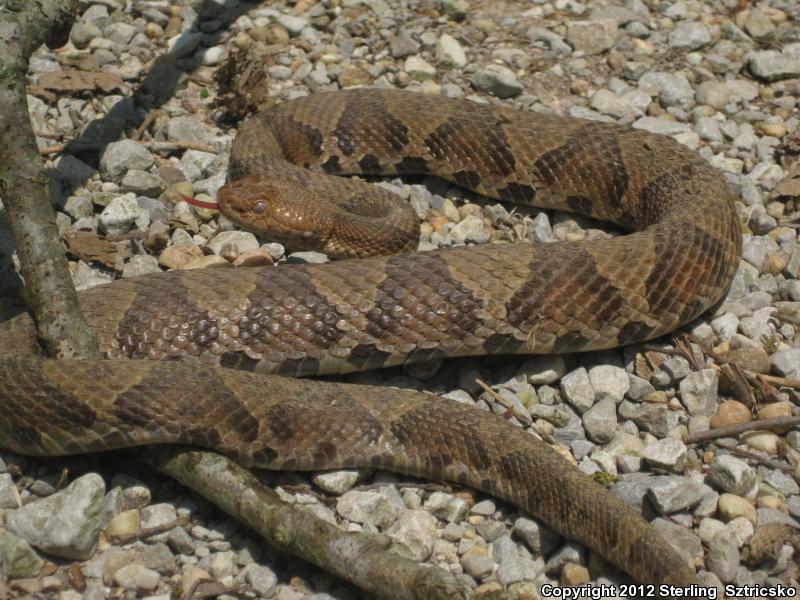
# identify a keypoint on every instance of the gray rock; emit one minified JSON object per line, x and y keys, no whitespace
{"x":17,"y":558}
{"x":782,"y":482}
{"x":673,"y":494}
{"x":571,"y":552}
{"x":731,"y":475}
{"x":773,"y":66}
{"x":136,"y":576}
{"x":413,"y":534}
{"x":142,"y":183}
{"x":577,"y":389}
{"x":540,"y":229}
{"x":477,"y":566}
{"x":262,"y":579}
{"x":239,"y":241}
{"x":469,"y":230}
{"x":64,"y":524}
{"x":539,"y":538}
{"x":698,"y":392}
{"x":592,"y":37}
{"x":770,"y":515}
{"x":9,"y":496}
{"x":141,"y":264}
{"x":218,"y":564}
{"x":119,"y":32}
{"x":157,"y":515}
{"x":403,"y":45}
{"x":682,"y":539}
{"x":552,"y":39}
{"x":447,"y":507}
{"x":419,"y":68}
{"x":713,"y":93}
{"x":86,"y":277}
{"x":658,"y":419}
{"x":180,"y":541}
{"x":672,"y":89}
{"x":723,"y":556}
{"x":83,"y":33}
{"x":660,"y":126}
{"x":600,"y":421}
{"x":708,"y":129}
{"x":449,"y":52}
{"x":158,"y":557}
{"x":497,"y":80}
{"x":609,"y":381}
{"x":187,"y":128}
{"x":78,"y":206}
{"x":338,"y":482}
{"x":667,"y":454}
{"x":306,"y":257}
{"x":293,"y":24}
{"x":519,"y":568}
{"x":786,"y":363}
{"x":689,"y":36}
{"x":119,"y":157}
{"x":638,"y":388}
{"x":369,"y":507}
{"x":184,"y":44}
{"x":490,"y":530}
{"x":119,"y":216}
{"x":544,"y":369}
{"x":608,"y":103}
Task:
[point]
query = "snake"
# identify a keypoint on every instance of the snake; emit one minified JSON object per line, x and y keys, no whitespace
{"x":385,"y":305}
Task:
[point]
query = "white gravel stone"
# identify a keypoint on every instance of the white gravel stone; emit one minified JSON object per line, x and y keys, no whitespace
{"x":413,"y":534}
{"x":577,"y":389}
{"x":119,"y":157}
{"x":449,"y":52}
{"x":64,"y":524}
{"x":732,"y":475}
{"x":497,"y":80}
{"x":699,"y":392}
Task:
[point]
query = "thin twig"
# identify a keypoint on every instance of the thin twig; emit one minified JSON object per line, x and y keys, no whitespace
{"x":721,"y":432}
{"x":151,"y":116}
{"x":154,"y":146}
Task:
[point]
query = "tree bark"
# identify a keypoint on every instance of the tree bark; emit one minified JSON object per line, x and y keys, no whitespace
{"x":24,"y":26}
{"x":358,"y":558}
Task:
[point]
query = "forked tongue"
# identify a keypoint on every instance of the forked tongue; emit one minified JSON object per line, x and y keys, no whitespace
{"x":198,"y":203}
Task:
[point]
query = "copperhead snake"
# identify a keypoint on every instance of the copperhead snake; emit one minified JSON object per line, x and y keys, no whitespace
{"x":364,"y":313}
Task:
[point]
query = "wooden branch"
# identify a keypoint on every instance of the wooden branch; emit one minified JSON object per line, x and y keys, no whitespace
{"x":51,"y":297}
{"x":356,"y":557}
{"x":721,"y":432}
{"x":78,"y":146}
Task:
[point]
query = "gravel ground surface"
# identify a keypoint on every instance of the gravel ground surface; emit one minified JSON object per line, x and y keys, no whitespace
{"x":721,"y":77}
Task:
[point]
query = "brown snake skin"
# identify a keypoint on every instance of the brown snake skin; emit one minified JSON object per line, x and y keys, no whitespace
{"x":366,"y":313}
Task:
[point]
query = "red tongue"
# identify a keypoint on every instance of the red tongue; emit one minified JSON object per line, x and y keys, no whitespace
{"x":198,"y":203}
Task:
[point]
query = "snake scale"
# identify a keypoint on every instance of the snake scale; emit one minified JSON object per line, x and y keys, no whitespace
{"x":364,"y":313}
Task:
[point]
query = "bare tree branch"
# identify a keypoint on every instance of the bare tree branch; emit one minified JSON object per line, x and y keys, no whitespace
{"x":24,"y":26}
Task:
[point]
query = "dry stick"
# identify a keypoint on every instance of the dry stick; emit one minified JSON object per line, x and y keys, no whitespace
{"x":721,"y":432}
{"x":24,"y":26}
{"x":154,"y":146}
{"x":357,"y":557}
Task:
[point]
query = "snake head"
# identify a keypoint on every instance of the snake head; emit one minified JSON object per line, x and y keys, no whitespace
{"x":274,"y":210}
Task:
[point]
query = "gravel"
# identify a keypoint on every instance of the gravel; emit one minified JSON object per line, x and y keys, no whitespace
{"x":724,"y":83}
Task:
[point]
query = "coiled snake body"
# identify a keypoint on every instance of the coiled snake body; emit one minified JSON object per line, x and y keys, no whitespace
{"x":359,"y":314}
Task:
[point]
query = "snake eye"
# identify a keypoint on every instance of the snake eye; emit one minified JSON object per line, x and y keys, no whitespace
{"x":259,"y":207}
